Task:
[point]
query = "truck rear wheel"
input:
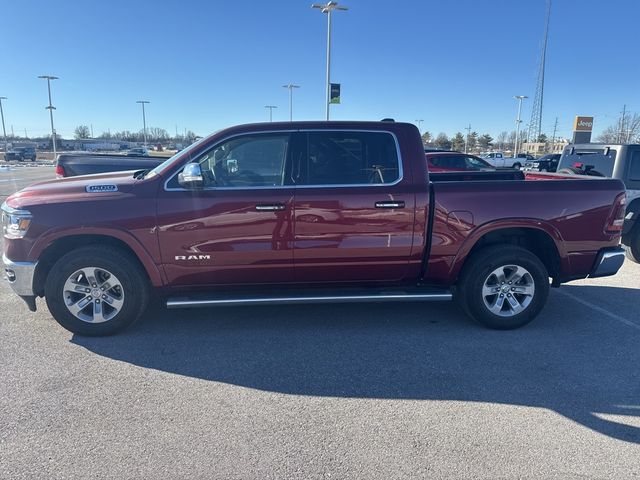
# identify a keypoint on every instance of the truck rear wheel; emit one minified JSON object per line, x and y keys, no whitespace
{"x":633,"y":248}
{"x":503,"y":287}
{"x":96,"y":291}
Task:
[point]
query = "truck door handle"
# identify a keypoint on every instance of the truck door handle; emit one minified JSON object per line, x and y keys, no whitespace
{"x":270,"y":207}
{"x":399,"y":204}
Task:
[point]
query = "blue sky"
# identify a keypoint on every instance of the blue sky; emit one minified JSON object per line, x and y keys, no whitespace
{"x":207,"y":65}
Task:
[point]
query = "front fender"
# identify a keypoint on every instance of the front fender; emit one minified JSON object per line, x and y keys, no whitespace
{"x":139,"y":250}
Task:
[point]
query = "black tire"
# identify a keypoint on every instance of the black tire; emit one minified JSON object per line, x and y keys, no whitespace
{"x":479,"y":269}
{"x":632,"y":250}
{"x":134,"y":283}
{"x":517,"y":165}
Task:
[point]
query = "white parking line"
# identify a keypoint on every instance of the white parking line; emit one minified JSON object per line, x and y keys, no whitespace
{"x":603,"y":311}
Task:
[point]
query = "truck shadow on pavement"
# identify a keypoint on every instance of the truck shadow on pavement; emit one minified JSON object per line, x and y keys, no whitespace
{"x":572,"y":360}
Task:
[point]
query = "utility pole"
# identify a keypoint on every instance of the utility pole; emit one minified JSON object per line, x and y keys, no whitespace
{"x":518,"y":122}
{"x":553,"y":139}
{"x":4,"y":131}
{"x":144,"y":120}
{"x":466,"y":140}
{"x":91,"y":129}
{"x":291,"y":86}
{"x":271,"y":107}
{"x":623,"y":121}
{"x":419,"y":122}
{"x":25,"y":134}
{"x":328,"y":8}
{"x":51,"y":108}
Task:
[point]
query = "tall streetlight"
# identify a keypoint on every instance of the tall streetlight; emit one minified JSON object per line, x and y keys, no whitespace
{"x":51,"y":108}
{"x":271,"y":107}
{"x":518,"y":122}
{"x":4,"y":132}
{"x":328,"y":8}
{"x":291,"y":86}
{"x":144,"y":120}
{"x":419,"y":122}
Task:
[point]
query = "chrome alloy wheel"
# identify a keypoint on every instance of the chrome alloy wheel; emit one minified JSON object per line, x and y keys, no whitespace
{"x":508,"y":290}
{"x":93,"y":295}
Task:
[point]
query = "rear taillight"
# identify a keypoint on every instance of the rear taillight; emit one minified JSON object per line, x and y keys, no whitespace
{"x":615,"y":222}
{"x":60,"y":171}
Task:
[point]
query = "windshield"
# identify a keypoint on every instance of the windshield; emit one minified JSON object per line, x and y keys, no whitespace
{"x":168,"y":162}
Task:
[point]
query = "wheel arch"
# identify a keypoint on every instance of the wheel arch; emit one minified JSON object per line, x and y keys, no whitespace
{"x":61,"y":245}
{"x":541,"y":239}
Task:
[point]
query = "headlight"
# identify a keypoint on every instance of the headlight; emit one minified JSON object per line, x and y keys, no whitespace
{"x":15,"y":223}
{"x":536,"y":164}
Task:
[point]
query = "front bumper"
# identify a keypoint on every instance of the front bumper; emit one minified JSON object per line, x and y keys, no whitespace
{"x":608,"y":262}
{"x":20,"y":276}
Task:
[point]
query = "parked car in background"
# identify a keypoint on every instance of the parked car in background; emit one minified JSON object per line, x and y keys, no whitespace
{"x":74,"y":164}
{"x":20,"y":154}
{"x":137,"y":152}
{"x":306,"y":212}
{"x":455,"y":162}
{"x":525,"y":156}
{"x":621,"y":161}
{"x":546,"y":163}
{"x":499,"y":160}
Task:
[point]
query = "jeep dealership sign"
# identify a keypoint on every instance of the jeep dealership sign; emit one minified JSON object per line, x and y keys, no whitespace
{"x":582,"y":128}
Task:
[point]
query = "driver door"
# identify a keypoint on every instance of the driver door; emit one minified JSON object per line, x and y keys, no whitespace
{"x":237,"y":228}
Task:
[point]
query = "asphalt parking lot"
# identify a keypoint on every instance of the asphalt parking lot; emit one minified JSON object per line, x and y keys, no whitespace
{"x":352,"y":391}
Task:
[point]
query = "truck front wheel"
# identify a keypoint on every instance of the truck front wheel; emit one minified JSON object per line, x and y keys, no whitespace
{"x":96,"y":291}
{"x":503,"y":287}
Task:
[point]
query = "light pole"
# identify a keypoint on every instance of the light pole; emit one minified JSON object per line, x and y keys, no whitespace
{"x":271,"y":107}
{"x":328,"y":8}
{"x":466,"y":139}
{"x":291,"y":86}
{"x":518,"y":122}
{"x":144,"y":120}
{"x":419,"y":122}
{"x":51,"y":108}
{"x":4,"y":132}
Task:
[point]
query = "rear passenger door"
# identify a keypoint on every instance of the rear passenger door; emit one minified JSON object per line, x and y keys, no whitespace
{"x":353,"y":213}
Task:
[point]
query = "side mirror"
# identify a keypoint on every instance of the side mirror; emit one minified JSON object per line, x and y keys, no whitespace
{"x":191,"y":176}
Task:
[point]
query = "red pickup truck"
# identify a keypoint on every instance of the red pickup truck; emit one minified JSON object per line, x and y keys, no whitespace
{"x":306,"y":212}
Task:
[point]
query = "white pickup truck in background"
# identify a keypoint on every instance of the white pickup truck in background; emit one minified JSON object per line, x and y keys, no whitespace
{"x":499,"y":160}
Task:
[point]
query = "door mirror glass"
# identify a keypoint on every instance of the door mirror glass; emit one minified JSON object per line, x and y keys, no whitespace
{"x":191,"y":176}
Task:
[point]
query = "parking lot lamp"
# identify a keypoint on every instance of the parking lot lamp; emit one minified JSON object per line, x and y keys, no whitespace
{"x":4,"y":131}
{"x":51,"y":108}
{"x":328,"y":8}
{"x":291,"y":86}
{"x":144,"y":120}
{"x":270,"y":107}
{"x":518,"y":122}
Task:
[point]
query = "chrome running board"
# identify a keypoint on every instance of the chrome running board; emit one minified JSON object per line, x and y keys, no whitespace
{"x":440,"y":295}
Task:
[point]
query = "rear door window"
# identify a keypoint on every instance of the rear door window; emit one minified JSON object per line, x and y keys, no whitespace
{"x":349,"y":158}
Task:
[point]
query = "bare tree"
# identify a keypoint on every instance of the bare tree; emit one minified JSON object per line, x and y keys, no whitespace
{"x":426,"y":137}
{"x":82,"y":131}
{"x":625,"y":130}
{"x":511,"y":140}
{"x":501,"y":140}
